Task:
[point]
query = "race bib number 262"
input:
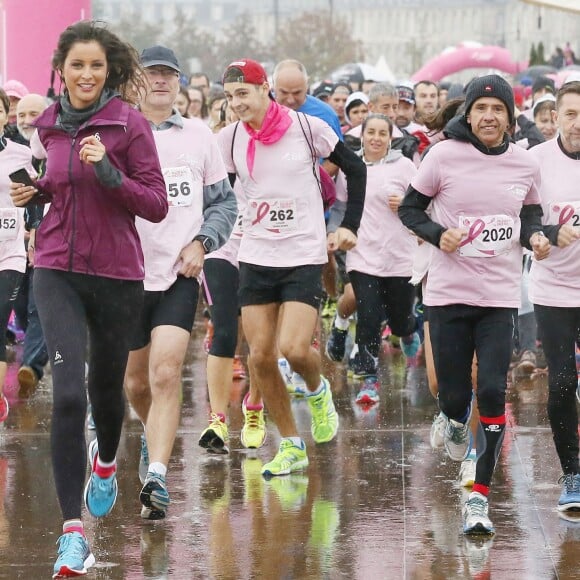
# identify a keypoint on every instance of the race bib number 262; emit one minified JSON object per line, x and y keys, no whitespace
{"x":274,"y":216}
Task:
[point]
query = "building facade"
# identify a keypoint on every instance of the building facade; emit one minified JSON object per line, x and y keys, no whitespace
{"x":407,"y":33}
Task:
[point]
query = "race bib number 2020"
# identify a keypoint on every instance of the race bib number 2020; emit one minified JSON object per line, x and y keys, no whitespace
{"x":487,"y":236}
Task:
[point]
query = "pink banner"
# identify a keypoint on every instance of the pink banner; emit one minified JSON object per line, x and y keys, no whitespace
{"x":28,"y":36}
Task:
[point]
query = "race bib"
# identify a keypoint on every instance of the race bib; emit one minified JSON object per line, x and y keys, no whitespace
{"x":8,"y":224}
{"x":179,"y":186}
{"x":565,"y":212}
{"x":238,"y":230}
{"x":487,"y":236}
{"x":273,"y":216}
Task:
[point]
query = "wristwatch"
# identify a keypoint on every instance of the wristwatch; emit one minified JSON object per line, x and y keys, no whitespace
{"x":206,"y":242}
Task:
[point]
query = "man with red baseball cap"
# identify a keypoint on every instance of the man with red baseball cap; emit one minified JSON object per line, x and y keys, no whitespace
{"x":275,"y":152}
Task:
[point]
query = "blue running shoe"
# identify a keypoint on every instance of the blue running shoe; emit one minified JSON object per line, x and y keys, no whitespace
{"x":74,"y":556}
{"x":369,"y":391}
{"x":364,"y":364}
{"x":336,"y":344}
{"x":154,"y":493}
{"x":100,"y":492}
{"x":570,"y":498}
{"x":412,"y":348}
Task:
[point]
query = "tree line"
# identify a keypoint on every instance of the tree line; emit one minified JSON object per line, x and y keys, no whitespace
{"x":321,"y":43}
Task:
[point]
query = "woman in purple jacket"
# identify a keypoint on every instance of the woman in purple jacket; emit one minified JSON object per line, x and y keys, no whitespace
{"x":102,"y":171}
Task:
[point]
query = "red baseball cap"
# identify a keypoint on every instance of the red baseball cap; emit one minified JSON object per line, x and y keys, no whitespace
{"x":245,"y":71}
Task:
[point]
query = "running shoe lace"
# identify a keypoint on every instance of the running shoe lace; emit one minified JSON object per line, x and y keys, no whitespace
{"x":571,"y":482}
{"x":252,"y":419}
{"x":72,"y":543}
{"x":318,"y":408}
{"x":478,"y":507}
{"x":457,"y":434}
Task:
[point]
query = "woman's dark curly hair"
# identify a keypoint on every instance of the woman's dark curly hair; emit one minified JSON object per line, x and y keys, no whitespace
{"x":124,"y":69}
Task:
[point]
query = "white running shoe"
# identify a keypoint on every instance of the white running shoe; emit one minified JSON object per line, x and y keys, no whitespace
{"x":475,"y":519}
{"x":437,"y":436}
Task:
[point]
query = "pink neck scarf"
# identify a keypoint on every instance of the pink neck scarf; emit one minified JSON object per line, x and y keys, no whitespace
{"x":274,"y":126}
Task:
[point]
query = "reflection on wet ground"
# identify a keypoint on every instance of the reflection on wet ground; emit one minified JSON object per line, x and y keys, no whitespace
{"x":375,"y":503}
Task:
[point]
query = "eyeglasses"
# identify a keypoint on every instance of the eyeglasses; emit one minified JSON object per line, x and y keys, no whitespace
{"x":165,"y":73}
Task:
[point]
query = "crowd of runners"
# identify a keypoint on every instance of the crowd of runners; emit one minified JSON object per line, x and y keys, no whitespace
{"x":440,"y":216}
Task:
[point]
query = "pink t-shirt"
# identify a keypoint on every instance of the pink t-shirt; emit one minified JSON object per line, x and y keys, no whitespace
{"x":284,"y":218}
{"x":12,"y":251}
{"x":190,"y":159}
{"x":385,"y":246}
{"x":483,"y":194}
{"x":555,"y":281}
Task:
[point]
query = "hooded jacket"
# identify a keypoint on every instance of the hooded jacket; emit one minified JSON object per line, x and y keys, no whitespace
{"x":90,"y":226}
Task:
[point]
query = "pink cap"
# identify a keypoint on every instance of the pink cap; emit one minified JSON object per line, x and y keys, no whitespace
{"x":15,"y":89}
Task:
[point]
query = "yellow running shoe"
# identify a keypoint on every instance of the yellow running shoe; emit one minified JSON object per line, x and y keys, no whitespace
{"x":253,"y":432}
{"x":215,"y":438}
{"x":324,"y":415}
{"x":289,"y":458}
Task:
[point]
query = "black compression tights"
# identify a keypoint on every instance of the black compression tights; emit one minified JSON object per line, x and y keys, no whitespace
{"x":74,"y":308}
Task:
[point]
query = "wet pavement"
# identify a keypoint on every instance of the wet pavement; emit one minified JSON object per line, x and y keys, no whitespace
{"x":375,"y":503}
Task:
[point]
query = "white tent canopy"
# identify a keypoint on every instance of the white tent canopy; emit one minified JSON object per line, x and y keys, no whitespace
{"x":569,"y":5}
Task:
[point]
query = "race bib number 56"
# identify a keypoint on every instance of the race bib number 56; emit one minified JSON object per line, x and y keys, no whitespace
{"x":179,"y":186}
{"x":487,"y":236}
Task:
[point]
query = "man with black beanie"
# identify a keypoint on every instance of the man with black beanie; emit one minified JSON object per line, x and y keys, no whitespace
{"x":485,"y":205}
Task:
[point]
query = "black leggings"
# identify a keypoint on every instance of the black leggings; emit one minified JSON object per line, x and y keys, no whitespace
{"x":378,"y":299}
{"x":457,"y":331}
{"x":223,"y":281}
{"x":9,"y":284}
{"x":72,"y":306}
{"x":560,"y":328}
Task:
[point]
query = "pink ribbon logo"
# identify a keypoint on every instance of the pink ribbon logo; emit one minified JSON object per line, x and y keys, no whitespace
{"x":262,"y":212}
{"x":566,"y":214}
{"x":474,"y":232}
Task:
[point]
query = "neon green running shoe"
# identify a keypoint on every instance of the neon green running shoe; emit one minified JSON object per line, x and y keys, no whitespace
{"x":215,"y":438}
{"x":324,"y":415}
{"x":289,"y":458}
{"x":253,"y":432}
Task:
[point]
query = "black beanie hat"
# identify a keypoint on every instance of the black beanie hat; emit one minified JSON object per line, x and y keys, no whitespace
{"x":490,"y":86}
{"x":544,"y":83}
